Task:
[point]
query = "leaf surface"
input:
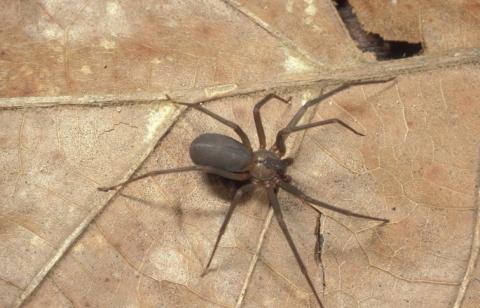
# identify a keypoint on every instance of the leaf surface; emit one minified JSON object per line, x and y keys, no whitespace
{"x":83,"y":106}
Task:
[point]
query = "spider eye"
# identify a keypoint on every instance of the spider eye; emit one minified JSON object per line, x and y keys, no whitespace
{"x":274,"y":164}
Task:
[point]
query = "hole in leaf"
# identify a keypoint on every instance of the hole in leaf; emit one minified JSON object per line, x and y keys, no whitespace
{"x":372,"y":42}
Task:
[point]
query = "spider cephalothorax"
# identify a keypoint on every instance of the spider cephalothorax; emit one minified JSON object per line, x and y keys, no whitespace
{"x":231,"y":159}
{"x":267,"y":166}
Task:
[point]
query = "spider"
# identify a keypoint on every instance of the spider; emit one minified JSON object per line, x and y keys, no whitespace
{"x":226,"y":157}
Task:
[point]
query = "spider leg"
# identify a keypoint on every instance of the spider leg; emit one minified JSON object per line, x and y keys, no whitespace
{"x":282,"y":134}
{"x":258,"y":119}
{"x":236,"y":198}
{"x":278,"y":214}
{"x":243,"y":136}
{"x":297,"y":192}
{"x":288,"y":161}
{"x":207,"y":169}
{"x":280,"y":141}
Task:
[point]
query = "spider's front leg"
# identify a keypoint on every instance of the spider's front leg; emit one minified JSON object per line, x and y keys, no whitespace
{"x":283,"y":133}
{"x":258,"y":119}
{"x":292,"y":125}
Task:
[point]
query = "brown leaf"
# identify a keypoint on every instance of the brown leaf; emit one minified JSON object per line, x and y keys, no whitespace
{"x":425,"y":21}
{"x":84,"y":106}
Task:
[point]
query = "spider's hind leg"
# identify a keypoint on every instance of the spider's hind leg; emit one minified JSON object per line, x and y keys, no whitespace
{"x":236,"y":199}
{"x":207,"y":169}
{"x":150,"y":174}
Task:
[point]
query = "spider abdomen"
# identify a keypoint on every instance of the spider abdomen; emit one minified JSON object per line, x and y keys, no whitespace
{"x":221,"y":152}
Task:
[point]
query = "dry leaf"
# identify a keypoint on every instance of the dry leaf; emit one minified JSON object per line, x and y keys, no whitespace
{"x":102,"y":68}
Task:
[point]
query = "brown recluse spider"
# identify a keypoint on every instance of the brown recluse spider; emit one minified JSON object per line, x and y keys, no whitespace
{"x":228,"y":158}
